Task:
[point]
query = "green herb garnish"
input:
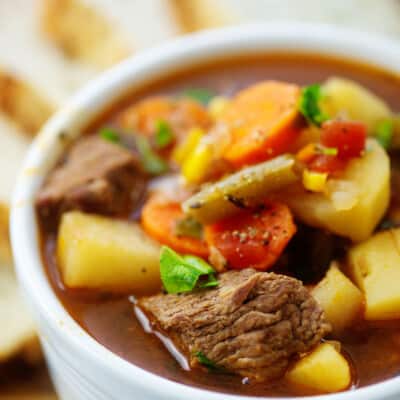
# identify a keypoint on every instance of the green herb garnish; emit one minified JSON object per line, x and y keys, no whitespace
{"x":204,"y":360}
{"x":203,"y":96}
{"x":384,"y":133}
{"x":151,"y":162}
{"x":110,"y":135}
{"x":189,"y":227}
{"x":181,"y":274}
{"x":309,"y":105}
{"x":164,"y":135}
{"x":388,"y":224}
{"x":329,"y":151}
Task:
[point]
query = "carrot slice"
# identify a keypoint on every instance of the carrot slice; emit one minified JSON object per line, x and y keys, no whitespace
{"x":253,"y":238}
{"x":180,"y":114}
{"x":159,"y":219}
{"x":263,"y":121}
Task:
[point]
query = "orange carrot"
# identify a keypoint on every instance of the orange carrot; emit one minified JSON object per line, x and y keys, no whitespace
{"x":180,"y":114}
{"x":263,"y":121}
{"x":159,"y":220}
{"x":307,"y":153}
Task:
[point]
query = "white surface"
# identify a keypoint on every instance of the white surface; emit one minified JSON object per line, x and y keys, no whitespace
{"x":142,"y":23}
{"x":381,"y":16}
{"x":13,"y":147}
{"x":28,"y":55}
{"x":77,"y":360}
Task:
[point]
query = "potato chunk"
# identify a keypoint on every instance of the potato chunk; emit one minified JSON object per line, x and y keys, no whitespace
{"x":352,"y":205}
{"x":102,"y":253}
{"x":341,"y":300}
{"x":349,"y":98}
{"x":375,"y":267}
{"x":323,"y":370}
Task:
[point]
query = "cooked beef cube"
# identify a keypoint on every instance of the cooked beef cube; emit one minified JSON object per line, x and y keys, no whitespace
{"x":253,"y":324}
{"x":96,"y":176}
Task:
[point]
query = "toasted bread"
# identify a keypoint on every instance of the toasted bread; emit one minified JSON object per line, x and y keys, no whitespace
{"x":83,"y":33}
{"x":23,"y":103}
{"x":193,"y":15}
{"x":200,"y":14}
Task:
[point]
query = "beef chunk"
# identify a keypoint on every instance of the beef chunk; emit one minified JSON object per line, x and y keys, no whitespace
{"x":253,"y":324}
{"x":96,"y":176}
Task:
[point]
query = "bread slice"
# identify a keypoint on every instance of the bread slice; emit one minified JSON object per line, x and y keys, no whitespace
{"x":200,"y":14}
{"x":83,"y":33}
{"x":36,"y":75}
{"x":23,"y":103}
{"x":101,"y":32}
{"x":193,"y":15}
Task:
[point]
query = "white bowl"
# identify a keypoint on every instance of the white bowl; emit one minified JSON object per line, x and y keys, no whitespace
{"x":81,"y":368}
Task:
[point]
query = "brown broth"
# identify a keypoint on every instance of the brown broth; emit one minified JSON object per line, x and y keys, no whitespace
{"x":372,"y":348}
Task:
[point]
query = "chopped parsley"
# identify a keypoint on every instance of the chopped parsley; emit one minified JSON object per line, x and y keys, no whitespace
{"x":189,"y":227}
{"x":388,"y":224}
{"x":309,"y":105}
{"x":384,"y":133}
{"x":202,"y":96}
{"x":204,"y":360}
{"x":110,"y":135}
{"x":181,"y":274}
{"x":151,"y":162}
{"x":329,"y":151}
{"x":164,"y":135}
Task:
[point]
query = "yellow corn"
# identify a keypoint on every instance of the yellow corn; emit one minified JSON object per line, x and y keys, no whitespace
{"x":198,"y":163}
{"x":314,"y":181}
{"x":191,"y":141}
{"x":217,"y":106}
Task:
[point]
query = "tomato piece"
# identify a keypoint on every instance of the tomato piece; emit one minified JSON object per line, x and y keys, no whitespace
{"x":159,"y":219}
{"x":253,"y":238}
{"x":327,"y":164}
{"x":348,"y":137}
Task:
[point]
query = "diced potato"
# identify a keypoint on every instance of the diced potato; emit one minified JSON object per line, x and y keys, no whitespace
{"x":341,"y":300}
{"x":248,"y":186}
{"x":323,"y":370}
{"x":103,"y":253}
{"x":375,"y":267}
{"x":353,"y":204}
{"x":349,"y":98}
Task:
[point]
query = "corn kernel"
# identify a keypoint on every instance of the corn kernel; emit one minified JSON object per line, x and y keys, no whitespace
{"x":191,"y":141}
{"x":217,"y":106}
{"x":314,"y":181}
{"x":197,"y":164}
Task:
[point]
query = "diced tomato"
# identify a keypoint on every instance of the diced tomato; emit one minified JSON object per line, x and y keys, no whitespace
{"x":327,"y":164}
{"x":348,"y":137}
{"x":159,"y":219}
{"x":253,"y":238}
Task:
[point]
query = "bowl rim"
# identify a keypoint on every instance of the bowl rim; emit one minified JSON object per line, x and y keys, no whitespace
{"x":104,"y":91}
